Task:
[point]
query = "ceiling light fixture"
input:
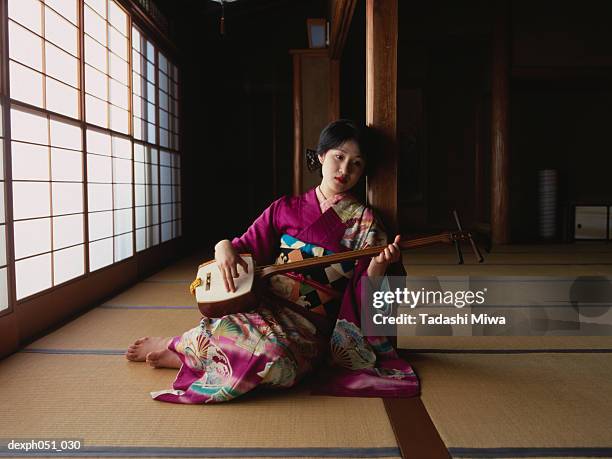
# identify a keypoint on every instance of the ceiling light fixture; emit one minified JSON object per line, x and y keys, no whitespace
{"x":222,"y":19}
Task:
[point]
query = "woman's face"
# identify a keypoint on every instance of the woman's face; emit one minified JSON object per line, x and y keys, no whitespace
{"x":342,"y":168}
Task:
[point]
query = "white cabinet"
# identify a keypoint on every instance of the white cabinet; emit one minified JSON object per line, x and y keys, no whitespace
{"x":592,"y":222}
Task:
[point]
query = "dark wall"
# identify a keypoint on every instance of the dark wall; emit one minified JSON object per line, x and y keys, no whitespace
{"x":352,"y":68}
{"x":443,"y":81}
{"x":560,"y":110}
{"x":566,"y":129}
{"x":236,"y":102}
{"x":561,"y":33}
{"x":560,"y":120}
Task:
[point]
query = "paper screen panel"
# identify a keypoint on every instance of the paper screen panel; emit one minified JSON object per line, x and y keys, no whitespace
{"x":32,"y":275}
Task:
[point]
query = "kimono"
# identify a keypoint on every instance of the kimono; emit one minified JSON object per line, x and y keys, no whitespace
{"x":303,"y":321}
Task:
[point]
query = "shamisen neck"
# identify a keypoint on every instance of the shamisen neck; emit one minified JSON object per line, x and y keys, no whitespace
{"x":266,"y":271}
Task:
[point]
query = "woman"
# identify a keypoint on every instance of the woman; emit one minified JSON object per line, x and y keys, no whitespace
{"x":304,"y":318}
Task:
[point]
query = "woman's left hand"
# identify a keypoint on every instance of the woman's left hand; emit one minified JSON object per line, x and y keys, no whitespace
{"x":390,"y":254}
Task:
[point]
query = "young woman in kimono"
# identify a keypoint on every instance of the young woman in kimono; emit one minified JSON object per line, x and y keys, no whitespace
{"x":303,"y":319}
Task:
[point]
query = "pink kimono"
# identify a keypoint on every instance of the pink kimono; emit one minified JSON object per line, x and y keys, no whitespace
{"x":304,"y":320}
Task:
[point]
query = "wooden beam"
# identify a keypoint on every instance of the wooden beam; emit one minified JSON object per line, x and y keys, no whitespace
{"x":342,"y":15}
{"x":159,"y":36}
{"x":6,"y":188}
{"x":297,"y":125}
{"x":9,"y":335}
{"x":381,"y":106}
{"x":500,"y":94}
{"x":274,"y":144}
{"x":416,"y":435}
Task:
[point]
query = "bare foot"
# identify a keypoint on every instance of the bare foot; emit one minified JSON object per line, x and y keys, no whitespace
{"x":163,"y":359}
{"x":138,"y":351}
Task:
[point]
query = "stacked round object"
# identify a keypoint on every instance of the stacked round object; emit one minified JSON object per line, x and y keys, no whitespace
{"x":547,"y":187}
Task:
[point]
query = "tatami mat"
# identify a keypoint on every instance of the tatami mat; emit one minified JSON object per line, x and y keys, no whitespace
{"x":117,"y":328}
{"x":480,"y":393}
{"x":183,"y":270}
{"x":579,"y":259}
{"x":507,"y":270}
{"x":158,"y":454}
{"x":570,"y":249}
{"x":504,"y":396}
{"x":536,"y":400}
{"x":190,"y":453}
{"x":531,"y":453}
{"x":105,"y":400}
{"x":155,"y":294}
{"x":225,"y":453}
{"x":504,"y":344}
{"x":496,"y":258}
{"x":75,"y":382}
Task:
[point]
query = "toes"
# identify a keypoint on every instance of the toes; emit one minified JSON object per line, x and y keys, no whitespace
{"x":141,"y":340}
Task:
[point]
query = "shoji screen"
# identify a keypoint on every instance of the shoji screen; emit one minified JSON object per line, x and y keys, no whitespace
{"x":46,"y":155}
{"x":43,"y":54}
{"x":143,"y":87}
{"x":106,"y":65}
{"x":168,"y":103}
{"x":168,"y":137}
{"x":109,"y":186}
{"x":81,"y":175}
{"x":170,"y":194}
{"x":146,"y":192}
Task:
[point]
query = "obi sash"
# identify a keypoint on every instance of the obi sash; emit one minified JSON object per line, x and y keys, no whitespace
{"x":319,"y":289}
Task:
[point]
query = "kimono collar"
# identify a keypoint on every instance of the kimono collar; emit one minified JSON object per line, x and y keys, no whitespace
{"x":329,"y":202}
{"x":324,"y":229}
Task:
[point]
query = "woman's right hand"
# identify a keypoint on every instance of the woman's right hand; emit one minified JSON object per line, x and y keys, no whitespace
{"x":227,"y":261}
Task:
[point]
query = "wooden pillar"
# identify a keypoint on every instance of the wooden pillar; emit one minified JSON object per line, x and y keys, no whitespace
{"x":381,"y":106}
{"x":342,"y":15}
{"x":500,"y":94}
{"x":297,"y":125}
{"x":478,"y":165}
{"x":334,"y":89}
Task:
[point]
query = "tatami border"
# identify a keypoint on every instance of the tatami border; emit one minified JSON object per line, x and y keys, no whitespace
{"x":408,"y":352}
{"x":151,"y":451}
{"x":530,"y":452}
{"x":145,"y":306}
{"x":74,"y":351}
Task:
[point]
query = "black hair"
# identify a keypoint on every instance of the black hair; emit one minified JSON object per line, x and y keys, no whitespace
{"x":335,"y":134}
